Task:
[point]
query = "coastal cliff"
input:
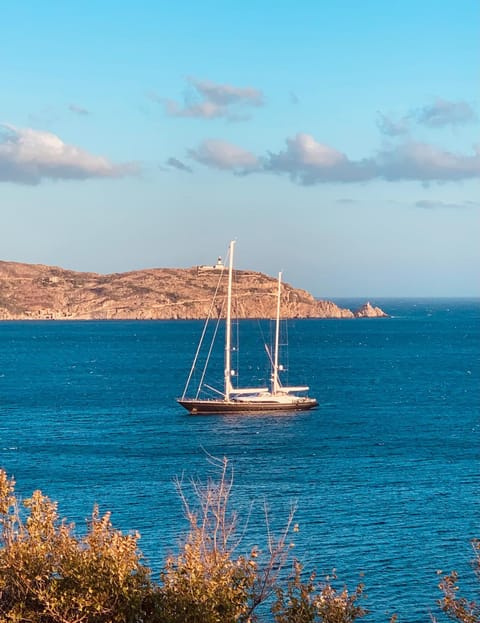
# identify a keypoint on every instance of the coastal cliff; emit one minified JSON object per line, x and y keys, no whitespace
{"x":39,"y":292}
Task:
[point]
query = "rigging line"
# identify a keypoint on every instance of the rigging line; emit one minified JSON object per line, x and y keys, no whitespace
{"x":236,"y":326}
{"x":287,"y":351}
{"x":268,"y":347}
{"x":236,"y":336}
{"x":269,"y":353}
{"x":235,"y":350}
{"x":262,"y":334}
{"x":209,"y":315}
{"x":212,"y":342}
{"x":214,"y":390}
{"x":197,"y":353}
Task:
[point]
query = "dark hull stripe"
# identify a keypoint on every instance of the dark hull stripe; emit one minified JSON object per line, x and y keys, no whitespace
{"x":216,"y":406}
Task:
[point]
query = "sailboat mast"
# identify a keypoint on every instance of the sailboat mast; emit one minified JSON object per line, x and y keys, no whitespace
{"x":275,"y":381}
{"x":228,"y":327}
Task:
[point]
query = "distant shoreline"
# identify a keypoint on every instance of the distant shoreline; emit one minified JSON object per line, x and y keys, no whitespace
{"x":38,"y":292}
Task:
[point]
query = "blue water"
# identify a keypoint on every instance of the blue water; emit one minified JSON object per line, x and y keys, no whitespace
{"x":384,"y":473}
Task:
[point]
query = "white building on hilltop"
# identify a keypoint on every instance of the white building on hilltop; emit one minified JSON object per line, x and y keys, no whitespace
{"x":218,"y":266}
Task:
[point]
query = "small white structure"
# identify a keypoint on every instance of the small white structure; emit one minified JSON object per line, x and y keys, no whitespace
{"x":218,"y":266}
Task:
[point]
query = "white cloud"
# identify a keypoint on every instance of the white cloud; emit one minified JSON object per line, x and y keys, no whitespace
{"x":390,"y":127}
{"x":226,"y":95}
{"x":306,"y":161}
{"x":443,"y":112}
{"x":310,"y":162}
{"x":27,"y":156}
{"x":223,"y":155}
{"x":78,"y":110}
{"x":427,"y":204}
{"x":201,"y":110}
{"x":347,"y":201}
{"x":209,"y":100}
{"x":178,"y":164}
{"x":439,"y":114}
{"x":294,"y":99}
{"x":424,"y":162}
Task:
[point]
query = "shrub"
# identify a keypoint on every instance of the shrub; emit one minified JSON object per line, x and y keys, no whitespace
{"x":311,"y":602}
{"x":456,"y":607}
{"x":207,"y":582}
{"x":48,"y":575}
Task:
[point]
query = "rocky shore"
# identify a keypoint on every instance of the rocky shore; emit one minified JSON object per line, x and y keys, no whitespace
{"x":39,"y":292}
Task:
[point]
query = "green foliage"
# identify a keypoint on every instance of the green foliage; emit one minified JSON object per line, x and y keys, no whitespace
{"x":456,"y":607}
{"x":206,"y":582}
{"x":47,"y":575}
{"x":309,"y":602}
{"x":204,"y":590}
{"x":50,"y":575}
{"x":296,"y":603}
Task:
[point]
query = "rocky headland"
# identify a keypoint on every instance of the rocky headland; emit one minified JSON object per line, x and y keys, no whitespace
{"x":38,"y":292}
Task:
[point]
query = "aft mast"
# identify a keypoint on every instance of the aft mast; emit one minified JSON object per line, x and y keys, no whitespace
{"x":228,"y":328}
{"x":275,"y":379}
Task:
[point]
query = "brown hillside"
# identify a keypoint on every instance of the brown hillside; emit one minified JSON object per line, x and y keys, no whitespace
{"x":35,"y":291}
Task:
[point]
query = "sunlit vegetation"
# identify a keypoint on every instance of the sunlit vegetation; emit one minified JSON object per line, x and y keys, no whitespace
{"x":49,"y":574}
{"x":457,"y":607}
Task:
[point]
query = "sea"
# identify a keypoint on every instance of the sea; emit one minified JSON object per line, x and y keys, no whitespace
{"x":384,"y":474}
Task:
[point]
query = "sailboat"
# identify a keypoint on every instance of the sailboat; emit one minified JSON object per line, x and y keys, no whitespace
{"x":277,"y":397}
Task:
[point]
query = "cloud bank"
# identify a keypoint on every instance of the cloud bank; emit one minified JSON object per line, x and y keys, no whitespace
{"x":440,"y":114}
{"x":208,"y":100}
{"x":307,"y":161}
{"x":443,"y":113}
{"x":28,"y":156}
{"x":78,"y":110}
{"x":391,"y":127}
{"x":423,"y":162}
{"x":223,"y":155}
{"x":178,"y":164}
{"x":427,"y":204}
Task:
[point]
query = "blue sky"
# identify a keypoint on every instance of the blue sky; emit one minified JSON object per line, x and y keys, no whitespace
{"x":336,"y":141}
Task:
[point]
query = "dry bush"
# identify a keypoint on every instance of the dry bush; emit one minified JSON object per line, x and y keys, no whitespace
{"x":48,"y":575}
{"x":308,"y":601}
{"x":208,"y":582}
{"x":456,"y":607}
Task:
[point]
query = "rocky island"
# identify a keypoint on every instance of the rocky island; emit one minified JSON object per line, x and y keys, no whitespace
{"x":39,"y":292}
